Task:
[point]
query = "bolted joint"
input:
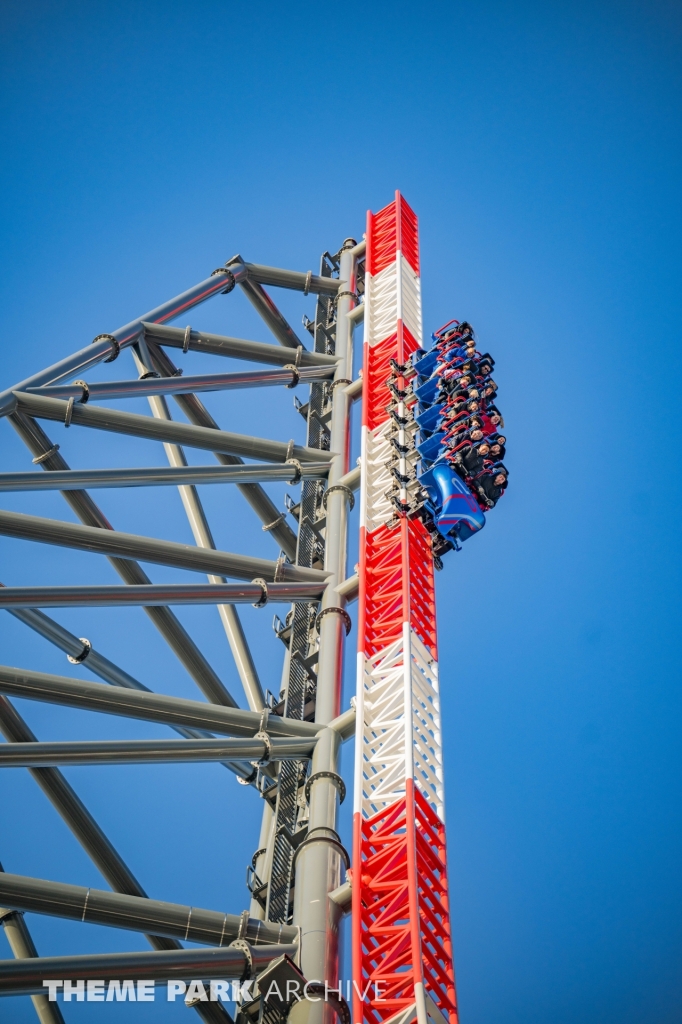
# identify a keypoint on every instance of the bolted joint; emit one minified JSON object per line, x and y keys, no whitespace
{"x":78,"y":659}
{"x":115,"y":347}
{"x":334,"y":611}
{"x":339,"y":487}
{"x":263,"y":599}
{"x":229,"y":279}
{"x":296,"y":376}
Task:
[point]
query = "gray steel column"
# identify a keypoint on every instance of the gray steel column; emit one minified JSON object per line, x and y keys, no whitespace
{"x":159,"y":476}
{"x":173,"y":632}
{"x":204,"y":539}
{"x":194,"y":751}
{"x":318,"y":863}
{"x":182,"y":385}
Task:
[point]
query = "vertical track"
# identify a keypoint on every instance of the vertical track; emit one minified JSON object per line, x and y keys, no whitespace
{"x":402,"y":951}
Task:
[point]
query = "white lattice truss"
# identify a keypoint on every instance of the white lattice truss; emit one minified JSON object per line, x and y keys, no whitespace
{"x":394,"y":294}
{"x":378,"y":455}
{"x":387,"y":759}
{"x":409,"y":298}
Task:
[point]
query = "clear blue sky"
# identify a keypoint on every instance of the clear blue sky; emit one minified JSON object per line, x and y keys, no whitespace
{"x":539,"y":143}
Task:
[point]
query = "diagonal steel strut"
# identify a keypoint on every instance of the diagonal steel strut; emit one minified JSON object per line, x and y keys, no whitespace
{"x":170,"y":627}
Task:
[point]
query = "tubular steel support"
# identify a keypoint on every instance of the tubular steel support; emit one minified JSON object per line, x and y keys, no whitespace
{"x":100,"y":418}
{"x":29,"y":976}
{"x":34,"y":755}
{"x":318,"y":865}
{"x":136,"y":913}
{"x":294,"y":279}
{"x":23,"y":947}
{"x":159,"y":594}
{"x":73,"y":646}
{"x":182,"y":385}
{"x":106,"y":347}
{"x":154,"y":476}
{"x":163,"y":552}
{"x":203,"y":538}
{"x":87,"y":511}
{"x":299,"y":691}
{"x":233,"y":348}
{"x":77,"y":817}
{"x":266,"y":308}
{"x":259,"y":501}
{"x":149,"y":707}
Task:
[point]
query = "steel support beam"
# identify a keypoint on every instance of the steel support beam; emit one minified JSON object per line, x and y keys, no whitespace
{"x":266,"y":308}
{"x":161,"y":476}
{"x":73,"y":646}
{"x":91,"y":837}
{"x":183,"y":385}
{"x":132,"y":424}
{"x":171,"y":629}
{"x":149,"y":707}
{"x":115,"y":910}
{"x":29,"y":976}
{"x":149,"y":549}
{"x":293,"y":279}
{"x":23,"y":947}
{"x":103,"y":349}
{"x":89,"y":752}
{"x":203,"y":538}
{"x":274,"y":521}
{"x":76,"y":816}
{"x":318,"y":864}
{"x":157,"y":594}
{"x":232,"y":348}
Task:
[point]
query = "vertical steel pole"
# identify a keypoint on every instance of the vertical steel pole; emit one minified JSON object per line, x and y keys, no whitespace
{"x":318,"y":864}
{"x":23,"y":948}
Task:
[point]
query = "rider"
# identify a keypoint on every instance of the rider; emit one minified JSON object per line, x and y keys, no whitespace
{"x":491,"y":484}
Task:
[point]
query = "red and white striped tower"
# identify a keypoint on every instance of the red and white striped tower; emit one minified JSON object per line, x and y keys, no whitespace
{"x":402,"y":950}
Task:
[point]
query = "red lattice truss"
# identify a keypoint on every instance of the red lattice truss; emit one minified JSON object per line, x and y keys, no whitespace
{"x":394,"y":897}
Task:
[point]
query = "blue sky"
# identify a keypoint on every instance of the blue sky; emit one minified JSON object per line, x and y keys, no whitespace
{"x":540,"y":147}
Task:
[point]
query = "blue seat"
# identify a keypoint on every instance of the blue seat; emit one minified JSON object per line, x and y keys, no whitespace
{"x":427,"y":364}
{"x":426,"y":393}
{"x":428,"y":420}
{"x":430,"y":449}
{"x":456,"y":511}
